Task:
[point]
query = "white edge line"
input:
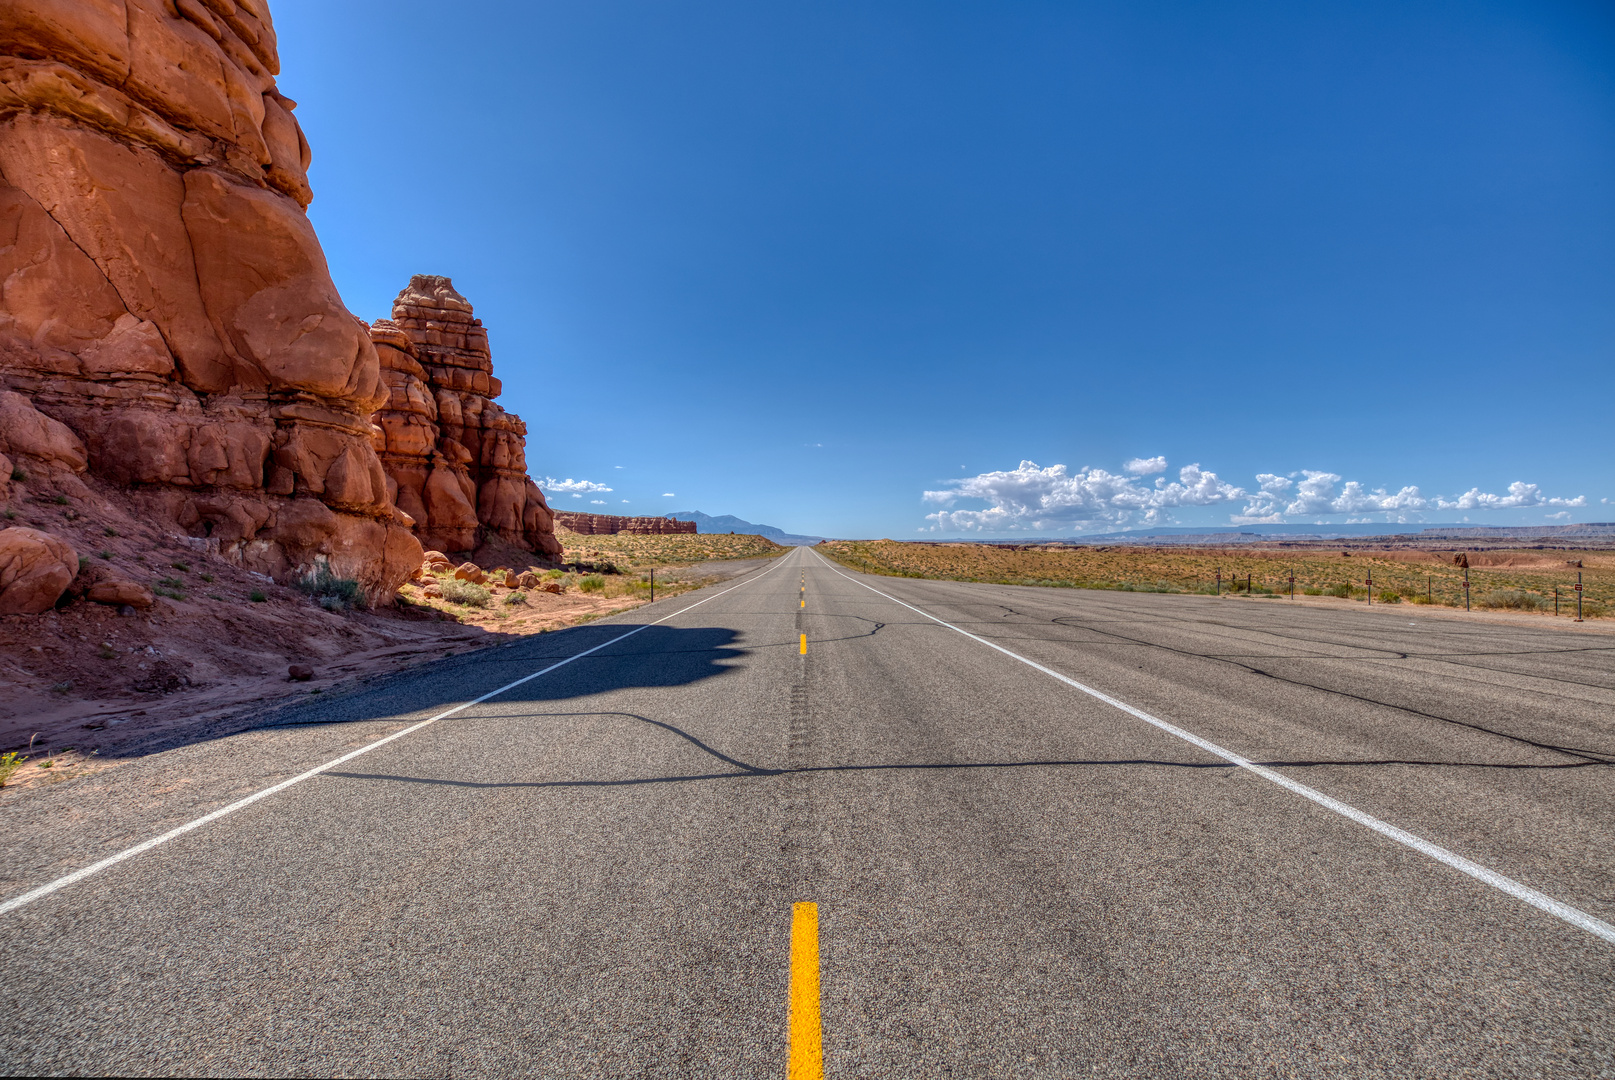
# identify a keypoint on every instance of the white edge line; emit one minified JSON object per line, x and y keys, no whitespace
{"x":112,"y":860}
{"x":1574,"y":916}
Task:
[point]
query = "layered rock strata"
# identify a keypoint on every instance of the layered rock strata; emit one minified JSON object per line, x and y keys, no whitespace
{"x":610,"y":524}
{"x":456,"y":462}
{"x":163,"y":298}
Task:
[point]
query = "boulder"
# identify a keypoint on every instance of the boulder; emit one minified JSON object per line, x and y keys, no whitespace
{"x":35,"y":570}
{"x":433,"y":591}
{"x":299,"y":673}
{"x":119,"y":593}
{"x":527,"y":580}
{"x":470,"y":571}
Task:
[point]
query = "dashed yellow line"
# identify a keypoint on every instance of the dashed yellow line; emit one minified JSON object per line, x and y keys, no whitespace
{"x":805,"y":1045}
{"x":804,"y":644}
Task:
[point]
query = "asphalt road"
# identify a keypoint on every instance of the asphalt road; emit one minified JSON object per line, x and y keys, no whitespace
{"x":592,"y":873}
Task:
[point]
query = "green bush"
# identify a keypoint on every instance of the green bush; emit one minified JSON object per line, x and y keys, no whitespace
{"x":1513,"y":600}
{"x":1389,"y":596}
{"x":456,"y":591}
{"x":1342,"y":590}
{"x":516,"y":598}
{"x":257,"y":596}
{"x":592,"y":583}
{"x":331,"y":592}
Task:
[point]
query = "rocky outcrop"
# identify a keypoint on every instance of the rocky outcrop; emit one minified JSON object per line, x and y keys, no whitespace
{"x":609,"y":524}
{"x":35,"y":570}
{"x":167,"y":319}
{"x":456,"y":462}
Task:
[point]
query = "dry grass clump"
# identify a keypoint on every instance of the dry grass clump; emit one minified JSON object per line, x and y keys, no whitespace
{"x":1250,"y":572}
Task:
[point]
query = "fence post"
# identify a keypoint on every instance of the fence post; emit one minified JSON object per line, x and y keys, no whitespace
{"x":1578,"y":596}
{"x":653,"y":584}
{"x":1556,"y":601}
{"x":1430,"y":589}
{"x":1247,"y":584}
{"x":1292,"y":584}
{"x":1371,"y":586}
{"x":1466,"y":588}
{"x":1219,"y":583}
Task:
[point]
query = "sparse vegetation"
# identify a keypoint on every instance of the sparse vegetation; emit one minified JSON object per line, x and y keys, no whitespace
{"x":9,"y":763}
{"x":60,"y":500}
{"x":84,"y":561}
{"x":1512,"y":600}
{"x":209,"y":578}
{"x":107,"y":652}
{"x":628,"y":554}
{"x":516,"y":598}
{"x":18,"y":474}
{"x":465,"y":593}
{"x":257,"y":596}
{"x":1194,"y":570}
{"x":331,"y":592}
{"x":182,"y":567}
{"x":592,"y":583}
{"x":103,"y":554}
{"x":62,"y":687}
{"x":110,"y":531}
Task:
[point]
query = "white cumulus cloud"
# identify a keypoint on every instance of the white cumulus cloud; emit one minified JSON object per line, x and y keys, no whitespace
{"x":1146,"y":466}
{"x":668,"y":495}
{"x":1037,"y":498}
{"x":1031,"y":497}
{"x":571,"y":486}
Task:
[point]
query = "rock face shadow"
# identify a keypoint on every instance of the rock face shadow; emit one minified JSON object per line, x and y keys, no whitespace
{"x":627,"y":657}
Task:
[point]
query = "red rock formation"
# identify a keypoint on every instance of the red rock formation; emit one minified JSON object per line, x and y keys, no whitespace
{"x":166,"y":305}
{"x":456,"y":462}
{"x":608,"y":524}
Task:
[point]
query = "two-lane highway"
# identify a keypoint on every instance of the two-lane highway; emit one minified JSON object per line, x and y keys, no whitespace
{"x":1045,"y":832}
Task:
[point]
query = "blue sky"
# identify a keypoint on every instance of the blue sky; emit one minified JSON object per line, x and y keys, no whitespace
{"x":806,"y":263}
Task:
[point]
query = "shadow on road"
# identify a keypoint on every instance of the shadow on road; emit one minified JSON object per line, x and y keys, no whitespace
{"x":594,"y":659}
{"x":743,"y":770}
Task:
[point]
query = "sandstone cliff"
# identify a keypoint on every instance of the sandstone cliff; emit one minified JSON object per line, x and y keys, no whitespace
{"x":611,"y":524}
{"x":455,"y":461}
{"x":167,"y":320}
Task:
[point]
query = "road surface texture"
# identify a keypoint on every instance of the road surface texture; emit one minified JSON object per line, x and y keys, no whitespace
{"x":593,"y":872}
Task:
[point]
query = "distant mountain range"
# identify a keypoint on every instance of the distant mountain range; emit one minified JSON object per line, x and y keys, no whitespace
{"x":728,"y":523}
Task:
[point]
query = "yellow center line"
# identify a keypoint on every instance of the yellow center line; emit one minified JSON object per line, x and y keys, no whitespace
{"x":804,"y":644}
{"x":805,"y":1046}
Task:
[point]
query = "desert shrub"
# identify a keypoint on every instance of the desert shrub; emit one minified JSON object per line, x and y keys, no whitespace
{"x":18,"y":474}
{"x":554,"y":575}
{"x":1421,"y":598}
{"x":456,"y":591}
{"x":84,"y":561}
{"x":257,"y":596}
{"x":592,"y":583}
{"x":516,"y":598}
{"x":1389,"y":596}
{"x":1512,"y":600}
{"x":331,"y":592}
{"x":1342,"y":590}
{"x":110,"y":531}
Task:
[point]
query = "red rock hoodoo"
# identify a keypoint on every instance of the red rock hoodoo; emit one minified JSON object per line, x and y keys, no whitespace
{"x":456,"y":462}
{"x":610,"y":524}
{"x":167,"y":319}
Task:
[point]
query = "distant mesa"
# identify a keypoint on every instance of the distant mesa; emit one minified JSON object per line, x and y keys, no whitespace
{"x":611,"y":524}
